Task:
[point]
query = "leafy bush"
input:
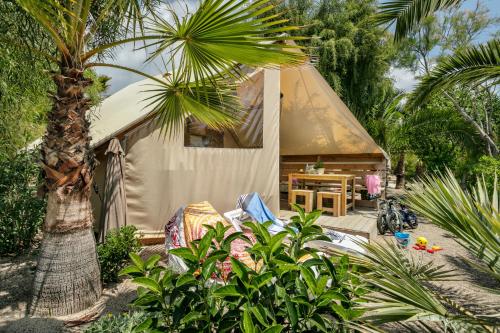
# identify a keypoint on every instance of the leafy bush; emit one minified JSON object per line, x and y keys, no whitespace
{"x":21,"y":211}
{"x":291,"y":287}
{"x":489,"y":168}
{"x":123,"y":323}
{"x":113,"y":253}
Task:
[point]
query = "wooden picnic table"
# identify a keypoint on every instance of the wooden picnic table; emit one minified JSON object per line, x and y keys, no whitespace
{"x":328,"y":178}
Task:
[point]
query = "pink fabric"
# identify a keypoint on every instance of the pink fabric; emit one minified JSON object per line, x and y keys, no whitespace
{"x":372,"y":184}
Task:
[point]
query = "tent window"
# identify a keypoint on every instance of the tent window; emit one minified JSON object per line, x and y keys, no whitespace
{"x":198,"y":134}
{"x":248,"y":134}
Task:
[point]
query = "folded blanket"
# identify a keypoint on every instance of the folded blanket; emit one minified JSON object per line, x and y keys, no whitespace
{"x":187,"y":225}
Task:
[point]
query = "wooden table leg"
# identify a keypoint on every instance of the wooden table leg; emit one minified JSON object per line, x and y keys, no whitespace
{"x":290,"y":187}
{"x":353,"y":193}
{"x":343,"y":199}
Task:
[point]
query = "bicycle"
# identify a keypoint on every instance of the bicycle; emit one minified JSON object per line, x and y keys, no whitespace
{"x":389,"y":217}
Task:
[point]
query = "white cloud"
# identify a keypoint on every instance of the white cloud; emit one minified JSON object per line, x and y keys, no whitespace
{"x":127,"y":56}
{"x":403,"y":78}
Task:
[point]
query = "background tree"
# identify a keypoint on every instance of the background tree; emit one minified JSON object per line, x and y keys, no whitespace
{"x":210,"y":42}
{"x":23,"y":83}
{"x":350,"y":51}
{"x":460,"y":64}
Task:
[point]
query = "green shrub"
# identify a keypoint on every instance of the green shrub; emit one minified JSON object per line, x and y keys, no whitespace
{"x":122,"y":323}
{"x":21,"y":211}
{"x":292,"y":289}
{"x":113,"y":253}
{"x":488,"y":167}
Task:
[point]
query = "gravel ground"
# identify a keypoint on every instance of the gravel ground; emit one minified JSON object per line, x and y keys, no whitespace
{"x":16,"y":275}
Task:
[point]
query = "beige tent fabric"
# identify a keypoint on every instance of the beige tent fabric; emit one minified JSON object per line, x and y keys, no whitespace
{"x":315,"y":121}
{"x":250,"y":133}
{"x":114,"y":212}
{"x":163,"y":175}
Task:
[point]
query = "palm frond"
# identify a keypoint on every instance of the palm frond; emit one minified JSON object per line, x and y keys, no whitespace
{"x":473,"y":219}
{"x":389,"y":258}
{"x":402,"y":292}
{"x":216,"y":106}
{"x":408,"y":14}
{"x":220,"y":35}
{"x":472,"y":66}
{"x":52,"y":17}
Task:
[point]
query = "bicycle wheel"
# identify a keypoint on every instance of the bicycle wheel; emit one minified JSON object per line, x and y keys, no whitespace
{"x":412,"y":221}
{"x":394,"y":224}
{"x":382,"y":224}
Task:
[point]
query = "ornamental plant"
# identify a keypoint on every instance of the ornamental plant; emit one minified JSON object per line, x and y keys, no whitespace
{"x":290,"y":288}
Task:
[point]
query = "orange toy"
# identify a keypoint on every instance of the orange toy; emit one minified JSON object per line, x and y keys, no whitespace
{"x":434,"y":248}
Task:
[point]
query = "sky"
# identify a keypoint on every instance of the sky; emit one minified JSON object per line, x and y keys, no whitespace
{"x":404,"y":79}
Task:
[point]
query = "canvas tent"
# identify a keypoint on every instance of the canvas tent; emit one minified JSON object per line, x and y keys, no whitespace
{"x":316,"y":125}
{"x":162,"y":174}
{"x":300,"y":119}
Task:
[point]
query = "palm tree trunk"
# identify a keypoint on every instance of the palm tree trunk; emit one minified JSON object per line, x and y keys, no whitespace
{"x":67,"y":278}
{"x":400,"y":171}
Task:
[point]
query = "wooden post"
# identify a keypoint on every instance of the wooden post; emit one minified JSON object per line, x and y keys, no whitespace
{"x":353,"y":191}
{"x":290,"y":187}
{"x":343,"y":209}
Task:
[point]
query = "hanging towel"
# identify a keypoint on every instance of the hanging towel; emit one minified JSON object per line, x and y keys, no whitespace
{"x":373,"y":184}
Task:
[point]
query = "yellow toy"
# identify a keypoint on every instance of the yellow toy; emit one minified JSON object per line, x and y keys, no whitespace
{"x":422,"y":241}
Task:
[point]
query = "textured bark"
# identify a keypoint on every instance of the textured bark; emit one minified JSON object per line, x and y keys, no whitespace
{"x":67,"y":279}
{"x":400,"y":171}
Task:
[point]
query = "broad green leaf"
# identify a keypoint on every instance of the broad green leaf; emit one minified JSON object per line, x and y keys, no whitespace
{"x":147,"y":283}
{"x":136,"y":259}
{"x":338,"y":309}
{"x":143,"y":326}
{"x":193,"y":316}
{"x":207,"y":269}
{"x":260,"y":314}
{"x":151,"y":261}
{"x":308,"y":276}
{"x":228,"y":290}
{"x":261,"y":279}
{"x":128,"y":270}
{"x":186,"y":278}
{"x":292,"y":311}
{"x":239,"y":269}
{"x":273,"y":329}
{"x":277,"y":241}
{"x":329,"y":297}
{"x":205,"y":243}
{"x":320,"y":323}
{"x":184,"y":253}
{"x":248,"y":326}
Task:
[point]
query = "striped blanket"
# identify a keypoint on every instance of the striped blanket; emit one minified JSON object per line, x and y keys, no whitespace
{"x":187,"y":225}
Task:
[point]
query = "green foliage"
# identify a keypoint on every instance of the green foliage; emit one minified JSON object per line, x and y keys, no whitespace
{"x":488,"y":168}
{"x":113,"y":254}
{"x":23,"y":83}
{"x":409,"y":14}
{"x":21,"y":211}
{"x":352,"y":54}
{"x":319,"y":164}
{"x":291,"y":288}
{"x":471,"y":66}
{"x":472,"y":218}
{"x":122,"y":323}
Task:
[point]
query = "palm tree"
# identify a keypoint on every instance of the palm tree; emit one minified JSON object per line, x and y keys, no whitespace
{"x":472,"y":66}
{"x":210,"y":43}
{"x":409,"y":14}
